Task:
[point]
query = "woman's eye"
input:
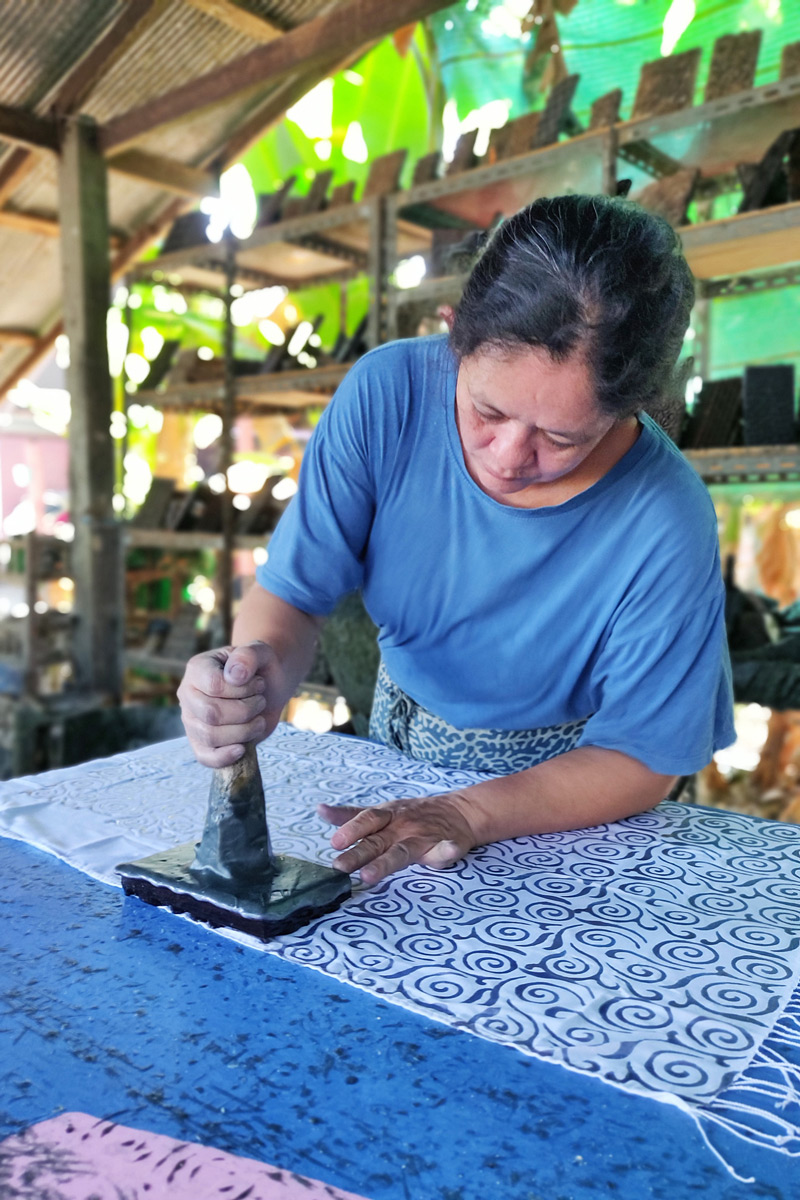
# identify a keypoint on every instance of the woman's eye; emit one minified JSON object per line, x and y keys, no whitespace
{"x":560,"y":445}
{"x":489,"y":416}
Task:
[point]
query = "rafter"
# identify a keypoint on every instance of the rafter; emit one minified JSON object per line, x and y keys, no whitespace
{"x":17,"y":337}
{"x":238,"y":18}
{"x":165,"y":172}
{"x":304,"y":48}
{"x":43,"y":132}
{"x":14,"y":168}
{"x":25,"y":128}
{"x":25,"y":222}
{"x":134,"y":18}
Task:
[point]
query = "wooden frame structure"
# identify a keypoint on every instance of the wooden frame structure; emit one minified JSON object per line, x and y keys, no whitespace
{"x":281,"y":65}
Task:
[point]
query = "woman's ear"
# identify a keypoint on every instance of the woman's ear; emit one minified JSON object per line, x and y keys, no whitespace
{"x":447,"y":314}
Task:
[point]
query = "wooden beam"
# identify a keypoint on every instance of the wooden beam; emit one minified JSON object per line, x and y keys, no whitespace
{"x":351,"y":25}
{"x":170,"y":175}
{"x":83,"y":203}
{"x":17,"y":337}
{"x":18,"y":125}
{"x":238,"y":18}
{"x":25,"y":222}
{"x":194,"y":182}
{"x":13,"y":170}
{"x":40,"y":226}
{"x":134,"y":18}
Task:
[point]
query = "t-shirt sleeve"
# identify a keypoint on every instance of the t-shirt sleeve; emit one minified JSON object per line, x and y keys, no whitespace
{"x":665,"y":696}
{"x":316,"y":554}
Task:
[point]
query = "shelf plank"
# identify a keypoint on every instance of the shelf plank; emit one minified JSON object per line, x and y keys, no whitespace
{"x":746,"y":243}
{"x":170,"y":539}
{"x":746,"y":464}
{"x":293,"y":264}
{"x":307,"y":388}
{"x":278,"y":250}
{"x":714,"y":137}
{"x":479,"y":195}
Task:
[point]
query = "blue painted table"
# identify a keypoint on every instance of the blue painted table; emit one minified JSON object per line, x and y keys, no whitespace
{"x":122,"y":1011}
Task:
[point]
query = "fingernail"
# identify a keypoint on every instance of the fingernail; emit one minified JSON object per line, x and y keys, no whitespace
{"x":237,"y":673}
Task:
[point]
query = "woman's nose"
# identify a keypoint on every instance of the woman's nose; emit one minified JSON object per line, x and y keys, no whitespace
{"x":513,"y":447}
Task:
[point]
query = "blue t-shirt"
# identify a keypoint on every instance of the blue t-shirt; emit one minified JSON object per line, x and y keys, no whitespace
{"x":609,"y":606}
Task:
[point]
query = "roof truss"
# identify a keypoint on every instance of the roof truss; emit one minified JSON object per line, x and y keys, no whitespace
{"x":332,"y":35}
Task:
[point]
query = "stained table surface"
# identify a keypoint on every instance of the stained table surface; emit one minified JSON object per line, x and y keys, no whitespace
{"x":126,"y":1012}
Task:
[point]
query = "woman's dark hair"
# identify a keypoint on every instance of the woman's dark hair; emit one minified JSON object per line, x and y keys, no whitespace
{"x":584,"y":274}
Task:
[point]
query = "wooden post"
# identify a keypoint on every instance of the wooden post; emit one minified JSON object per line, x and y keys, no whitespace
{"x":96,"y":552}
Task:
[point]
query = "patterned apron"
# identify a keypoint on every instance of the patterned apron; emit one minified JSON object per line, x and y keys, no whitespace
{"x":399,"y":722}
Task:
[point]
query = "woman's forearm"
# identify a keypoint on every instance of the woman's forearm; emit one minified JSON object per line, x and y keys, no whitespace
{"x":292,"y":634}
{"x":584,"y":787}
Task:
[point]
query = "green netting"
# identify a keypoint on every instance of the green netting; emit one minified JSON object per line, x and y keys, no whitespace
{"x":471,"y":54}
{"x":754,"y":328}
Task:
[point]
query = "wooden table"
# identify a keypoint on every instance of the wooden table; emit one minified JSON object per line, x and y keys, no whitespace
{"x":125,"y":1012}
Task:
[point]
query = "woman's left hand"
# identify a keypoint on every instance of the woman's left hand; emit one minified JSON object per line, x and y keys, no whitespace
{"x":433,"y":830}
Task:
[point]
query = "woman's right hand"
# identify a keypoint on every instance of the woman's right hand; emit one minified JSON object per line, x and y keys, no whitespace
{"x":228,"y":697}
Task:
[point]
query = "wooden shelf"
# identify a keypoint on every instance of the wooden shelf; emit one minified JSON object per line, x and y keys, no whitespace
{"x":747,"y":464}
{"x":714,"y":137}
{"x":747,"y":243}
{"x":336,"y":243}
{"x":170,"y":539}
{"x":744,"y":244}
{"x":307,"y":388}
{"x":474,"y":198}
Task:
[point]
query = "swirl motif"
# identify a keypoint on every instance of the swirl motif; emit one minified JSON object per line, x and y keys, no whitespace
{"x":718,"y":903}
{"x":676,"y":1072}
{"x":634,"y":1015}
{"x":685,"y":953}
{"x":718,"y":1036}
{"x":657,"y":952}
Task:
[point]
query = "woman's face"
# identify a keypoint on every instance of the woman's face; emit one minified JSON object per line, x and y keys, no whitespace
{"x":525,"y":419}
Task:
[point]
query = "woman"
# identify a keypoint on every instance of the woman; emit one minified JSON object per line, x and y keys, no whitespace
{"x":540,"y":560}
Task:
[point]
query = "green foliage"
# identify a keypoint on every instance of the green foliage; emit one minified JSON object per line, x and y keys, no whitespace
{"x":390,"y":104}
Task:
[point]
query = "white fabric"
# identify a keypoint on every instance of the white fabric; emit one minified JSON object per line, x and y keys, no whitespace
{"x":657,"y":953}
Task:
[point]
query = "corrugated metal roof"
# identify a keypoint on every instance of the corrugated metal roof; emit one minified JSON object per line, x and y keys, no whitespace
{"x":30,"y":278}
{"x":41,"y":40}
{"x":180,"y":45}
{"x":287,"y":13}
{"x":196,"y":136}
{"x":38,"y":191}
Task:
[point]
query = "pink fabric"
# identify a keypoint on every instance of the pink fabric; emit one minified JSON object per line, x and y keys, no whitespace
{"x":74,"y":1156}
